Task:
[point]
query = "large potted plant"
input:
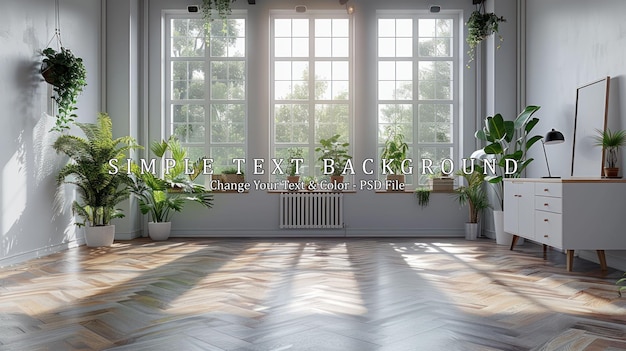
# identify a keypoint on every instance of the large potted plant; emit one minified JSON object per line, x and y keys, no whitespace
{"x":480,"y":25}
{"x":611,"y":142}
{"x":508,"y":143}
{"x":162,"y":196}
{"x":394,"y":153}
{"x":334,"y":152}
{"x":100,"y":190}
{"x":474,"y":196}
{"x":67,"y":74}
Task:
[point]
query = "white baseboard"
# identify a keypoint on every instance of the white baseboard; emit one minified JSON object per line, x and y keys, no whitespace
{"x":41,"y":252}
{"x":128,"y":235}
{"x":344,"y":232}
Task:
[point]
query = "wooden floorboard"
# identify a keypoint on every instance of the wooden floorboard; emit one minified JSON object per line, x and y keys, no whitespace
{"x":309,"y":294}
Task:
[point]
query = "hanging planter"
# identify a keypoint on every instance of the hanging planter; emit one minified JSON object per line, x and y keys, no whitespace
{"x":480,"y":25}
{"x":67,"y":74}
{"x":221,"y":7}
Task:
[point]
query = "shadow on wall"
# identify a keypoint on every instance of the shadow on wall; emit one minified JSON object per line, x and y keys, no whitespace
{"x":34,"y":215}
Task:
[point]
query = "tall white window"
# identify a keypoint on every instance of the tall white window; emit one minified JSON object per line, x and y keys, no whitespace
{"x":205,"y":88}
{"x":418,"y":87}
{"x":311,"y":75}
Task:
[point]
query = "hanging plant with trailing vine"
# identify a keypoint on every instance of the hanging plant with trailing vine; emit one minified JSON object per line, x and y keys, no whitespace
{"x":67,"y":74}
{"x":211,"y":7}
{"x":480,"y":25}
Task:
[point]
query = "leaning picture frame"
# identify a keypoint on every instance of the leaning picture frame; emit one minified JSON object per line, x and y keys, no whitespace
{"x":592,"y":105}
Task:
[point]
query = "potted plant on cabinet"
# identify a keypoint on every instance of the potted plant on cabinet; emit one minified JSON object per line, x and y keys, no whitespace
{"x":480,"y":25}
{"x":68,"y":75}
{"x":611,"y":142}
{"x":294,"y":158}
{"x":394,"y":153}
{"x":162,"y":196}
{"x":336,"y":153}
{"x":99,"y":190}
{"x":474,"y":196}
{"x":507,"y":142}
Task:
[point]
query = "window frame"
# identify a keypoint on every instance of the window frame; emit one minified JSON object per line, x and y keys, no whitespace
{"x":311,"y":59}
{"x":207,"y":102}
{"x":413,"y":180}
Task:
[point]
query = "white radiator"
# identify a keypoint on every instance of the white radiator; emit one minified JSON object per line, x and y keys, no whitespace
{"x":311,"y":210}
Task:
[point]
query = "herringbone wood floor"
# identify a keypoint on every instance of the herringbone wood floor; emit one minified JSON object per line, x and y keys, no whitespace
{"x":309,"y":294}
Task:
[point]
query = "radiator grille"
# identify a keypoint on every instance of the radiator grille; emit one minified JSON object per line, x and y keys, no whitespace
{"x":311,"y":210}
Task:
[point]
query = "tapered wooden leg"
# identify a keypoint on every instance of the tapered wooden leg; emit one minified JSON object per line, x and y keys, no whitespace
{"x":570,"y":260}
{"x":602,"y":259}
{"x":514,"y":241}
{"x":545,"y":251}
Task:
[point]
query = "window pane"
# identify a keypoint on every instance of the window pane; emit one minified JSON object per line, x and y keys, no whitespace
{"x":204,"y":86}
{"x":428,"y":126}
{"x":318,"y":78}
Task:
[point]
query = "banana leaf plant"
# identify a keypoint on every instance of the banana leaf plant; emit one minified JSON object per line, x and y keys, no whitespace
{"x":507,"y":140}
{"x":157,"y":199}
{"x":162,"y":196}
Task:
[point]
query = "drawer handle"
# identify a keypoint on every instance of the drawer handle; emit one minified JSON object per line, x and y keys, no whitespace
{"x":546,"y":205}
{"x":545,"y":220}
{"x":545,"y":235}
{"x":546,"y":190}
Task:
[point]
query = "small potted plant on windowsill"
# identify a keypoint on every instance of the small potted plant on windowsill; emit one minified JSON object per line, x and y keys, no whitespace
{"x":337,"y":152}
{"x":395,"y":152}
{"x":230,"y":175}
{"x":294,"y":159}
{"x":439,"y":182}
{"x":611,"y":142}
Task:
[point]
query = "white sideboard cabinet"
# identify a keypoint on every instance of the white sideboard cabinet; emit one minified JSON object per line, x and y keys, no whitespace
{"x":569,"y":214}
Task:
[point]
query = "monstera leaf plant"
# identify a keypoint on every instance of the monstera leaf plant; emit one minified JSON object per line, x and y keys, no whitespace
{"x":508,"y":143}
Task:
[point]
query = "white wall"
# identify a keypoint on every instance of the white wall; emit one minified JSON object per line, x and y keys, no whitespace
{"x":570,"y":43}
{"x":32,"y":221}
{"x":256,"y":213}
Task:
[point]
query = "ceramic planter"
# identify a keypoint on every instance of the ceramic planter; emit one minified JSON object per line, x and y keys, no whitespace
{"x":100,"y":235}
{"x":159,"y":231}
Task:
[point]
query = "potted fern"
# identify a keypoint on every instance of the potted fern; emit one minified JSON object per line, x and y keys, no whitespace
{"x":611,"y":142}
{"x":395,"y":152}
{"x":100,"y":191}
{"x":67,"y":74}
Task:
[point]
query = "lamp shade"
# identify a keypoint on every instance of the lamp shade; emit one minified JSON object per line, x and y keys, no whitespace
{"x":554,"y":137}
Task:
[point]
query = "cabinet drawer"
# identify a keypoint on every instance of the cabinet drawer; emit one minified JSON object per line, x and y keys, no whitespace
{"x":550,"y":204}
{"x":548,"y":189}
{"x":549,"y":228}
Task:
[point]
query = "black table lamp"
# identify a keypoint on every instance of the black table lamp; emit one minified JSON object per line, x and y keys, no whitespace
{"x":552,"y":137}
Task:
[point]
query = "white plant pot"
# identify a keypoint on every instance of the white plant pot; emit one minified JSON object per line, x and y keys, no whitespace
{"x":100,"y":235}
{"x":159,"y":231}
{"x":471,"y":231}
{"x":502,"y":237}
